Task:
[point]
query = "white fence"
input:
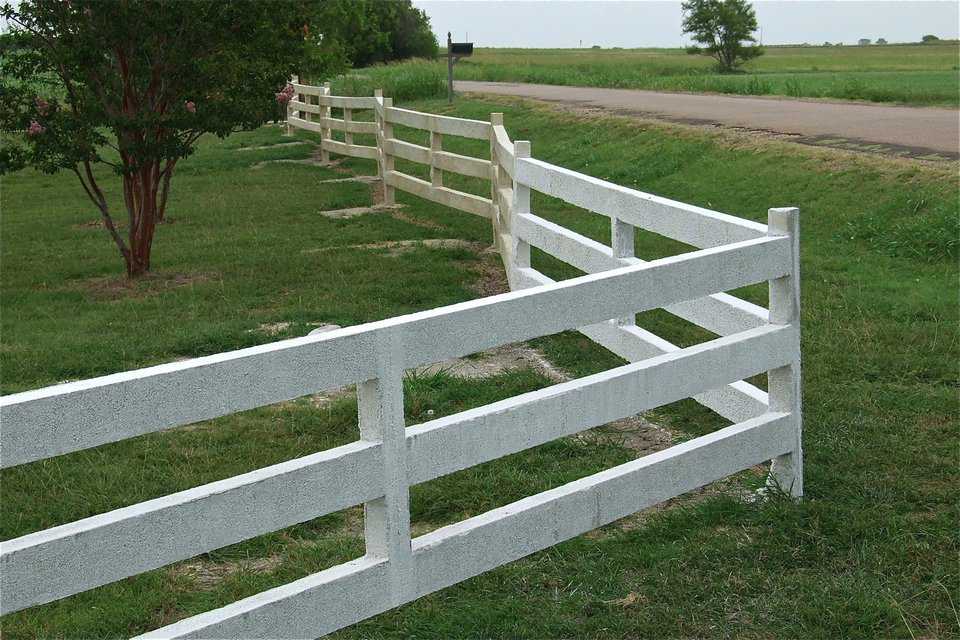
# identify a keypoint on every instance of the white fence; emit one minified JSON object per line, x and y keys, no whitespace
{"x":378,"y":469}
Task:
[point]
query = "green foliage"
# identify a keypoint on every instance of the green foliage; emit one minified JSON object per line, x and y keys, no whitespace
{"x":131,"y":69}
{"x":359,"y":33}
{"x":133,"y":85}
{"x":721,"y":27}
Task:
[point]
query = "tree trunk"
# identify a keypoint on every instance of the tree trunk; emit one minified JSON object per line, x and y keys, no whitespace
{"x":141,"y":190}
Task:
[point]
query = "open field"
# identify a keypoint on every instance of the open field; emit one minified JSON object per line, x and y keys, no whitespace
{"x":248,"y":258}
{"x":907,"y":74}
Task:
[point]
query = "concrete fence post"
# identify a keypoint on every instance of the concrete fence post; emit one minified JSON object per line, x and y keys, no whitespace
{"x":325,"y":114}
{"x":347,"y":119}
{"x":496,"y":120}
{"x":784,"y":384}
{"x":520,"y":205}
{"x":378,"y":118}
{"x":436,"y":173}
{"x":288,"y":129}
{"x":622,"y":243}
{"x":386,"y":520}
{"x":389,"y":197}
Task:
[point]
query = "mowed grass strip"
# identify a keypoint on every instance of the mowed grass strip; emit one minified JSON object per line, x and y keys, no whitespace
{"x":868,"y":553}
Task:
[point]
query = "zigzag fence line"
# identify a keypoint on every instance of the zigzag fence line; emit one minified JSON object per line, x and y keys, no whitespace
{"x":378,"y":469}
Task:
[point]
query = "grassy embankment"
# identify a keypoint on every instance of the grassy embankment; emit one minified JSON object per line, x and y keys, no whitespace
{"x":870,"y":553}
{"x":908,"y":74}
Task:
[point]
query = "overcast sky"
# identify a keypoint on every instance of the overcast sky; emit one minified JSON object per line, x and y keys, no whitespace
{"x":647,"y":23}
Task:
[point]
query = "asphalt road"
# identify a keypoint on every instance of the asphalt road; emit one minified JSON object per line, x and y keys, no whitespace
{"x":926,"y":132}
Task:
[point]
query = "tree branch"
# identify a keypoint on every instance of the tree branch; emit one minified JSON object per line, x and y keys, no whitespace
{"x":101,"y":204}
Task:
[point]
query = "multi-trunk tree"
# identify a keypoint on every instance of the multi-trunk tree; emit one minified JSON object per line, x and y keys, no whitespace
{"x":133,"y":84}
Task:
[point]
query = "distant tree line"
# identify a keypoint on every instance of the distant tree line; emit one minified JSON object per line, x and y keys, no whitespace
{"x":359,"y":33}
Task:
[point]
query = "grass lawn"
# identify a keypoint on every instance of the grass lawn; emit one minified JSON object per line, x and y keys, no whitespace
{"x":871,"y":552}
{"x":908,"y":74}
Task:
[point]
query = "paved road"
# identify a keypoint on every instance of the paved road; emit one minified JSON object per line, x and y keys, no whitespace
{"x":911,"y":131}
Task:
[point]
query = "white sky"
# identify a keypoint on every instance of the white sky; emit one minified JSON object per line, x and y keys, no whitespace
{"x":649,"y":23}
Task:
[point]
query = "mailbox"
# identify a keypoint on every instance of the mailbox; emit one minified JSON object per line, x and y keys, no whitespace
{"x":455,"y":51}
{"x":461,"y":49}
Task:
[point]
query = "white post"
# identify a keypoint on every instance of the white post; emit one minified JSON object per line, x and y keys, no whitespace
{"x":389,"y":197}
{"x":386,"y":520}
{"x":496,"y":120}
{"x":436,"y":144}
{"x":784,"y":388}
{"x":325,"y":124}
{"x":520,"y":205}
{"x":622,"y":244}
{"x":347,"y":119}
{"x":378,"y":96}
{"x":288,"y":129}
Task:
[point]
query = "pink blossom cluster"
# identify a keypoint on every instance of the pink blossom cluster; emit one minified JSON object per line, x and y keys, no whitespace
{"x":35,"y":128}
{"x":190,"y":106}
{"x":286,"y":95}
{"x":43,"y":107}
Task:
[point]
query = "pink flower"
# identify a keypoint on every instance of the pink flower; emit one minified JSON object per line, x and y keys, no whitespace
{"x":43,"y":107}
{"x":285,"y":95}
{"x":190,"y":106}
{"x":35,"y":128}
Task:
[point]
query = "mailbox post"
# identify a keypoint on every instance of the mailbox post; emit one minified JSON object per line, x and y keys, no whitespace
{"x":455,"y":51}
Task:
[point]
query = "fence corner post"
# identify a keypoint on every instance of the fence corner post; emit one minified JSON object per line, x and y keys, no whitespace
{"x":623,"y":245}
{"x":520,"y":252}
{"x":386,"y":133}
{"x":288,"y":130}
{"x":784,"y":383}
{"x":324,"y":121}
{"x":496,"y":120}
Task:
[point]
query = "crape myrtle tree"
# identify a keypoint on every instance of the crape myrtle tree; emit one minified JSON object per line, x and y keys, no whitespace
{"x":133,"y":84}
{"x":722,"y":29}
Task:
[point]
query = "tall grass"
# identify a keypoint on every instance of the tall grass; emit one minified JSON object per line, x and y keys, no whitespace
{"x":409,"y":80}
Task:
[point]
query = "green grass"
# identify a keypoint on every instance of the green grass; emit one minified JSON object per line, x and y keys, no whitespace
{"x":869,"y":553}
{"x":908,"y":74}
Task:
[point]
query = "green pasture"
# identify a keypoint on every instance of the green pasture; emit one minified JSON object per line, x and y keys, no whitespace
{"x":907,"y":74}
{"x":247,"y":258}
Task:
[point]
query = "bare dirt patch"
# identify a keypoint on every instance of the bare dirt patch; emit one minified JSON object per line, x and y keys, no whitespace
{"x":205,"y":574}
{"x":279,"y":145}
{"x":119,"y":287}
{"x":496,"y":361}
{"x":399,"y":247}
{"x":398,"y":214}
{"x":353,"y":212}
{"x":264,"y":163}
{"x":636,"y":433}
{"x":361,"y":179}
{"x":271,"y":328}
{"x":491,"y":276}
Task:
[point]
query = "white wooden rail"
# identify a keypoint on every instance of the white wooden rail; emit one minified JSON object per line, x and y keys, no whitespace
{"x":378,"y":469}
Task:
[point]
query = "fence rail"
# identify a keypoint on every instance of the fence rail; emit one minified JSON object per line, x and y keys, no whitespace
{"x":378,"y":469}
